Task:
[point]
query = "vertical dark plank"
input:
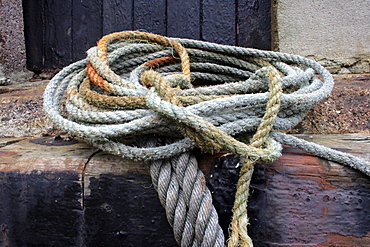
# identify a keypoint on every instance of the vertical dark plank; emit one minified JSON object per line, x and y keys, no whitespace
{"x":254,"y":24}
{"x":34,"y":33}
{"x":87,"y":26}
{"x":183,"y":19}
{"x":150,"y":15}
{"x":218,"y":24}
{"x":117,"y":15}
{"x":58,"y":29}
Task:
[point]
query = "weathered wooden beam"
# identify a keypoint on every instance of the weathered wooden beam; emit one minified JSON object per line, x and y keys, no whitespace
{"x":75,"y":195}
{"x":254,"y":24}
{"x":214,"y":30}
{"x":183,"y":19}
{"x":150,"y":16}
{"x":87,"y":26}
{"x":300,"y":199}
{"x":57,"y":34}
{"x":33,"y":34}
{"x":117,"y":15}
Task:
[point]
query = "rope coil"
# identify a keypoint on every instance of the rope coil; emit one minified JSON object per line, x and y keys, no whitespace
{"x":193,"y":93}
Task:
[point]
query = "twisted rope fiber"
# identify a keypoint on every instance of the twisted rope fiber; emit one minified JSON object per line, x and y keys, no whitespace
{"x":140,"y":84}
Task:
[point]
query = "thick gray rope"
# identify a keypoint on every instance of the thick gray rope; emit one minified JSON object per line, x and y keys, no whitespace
{"x":240,"y":114}
{"x":323,"y":152}
{"x":182,"y":191}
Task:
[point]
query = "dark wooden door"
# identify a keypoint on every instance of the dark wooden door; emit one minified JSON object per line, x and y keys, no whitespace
{"x":59,"y":32}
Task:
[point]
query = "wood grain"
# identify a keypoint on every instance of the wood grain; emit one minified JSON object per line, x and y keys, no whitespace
{"x":87,"y":26}
{"x":117,"y":16}
{"x":183,"y":19}
{"x":150,"y":16}
{"x":218,"y":22}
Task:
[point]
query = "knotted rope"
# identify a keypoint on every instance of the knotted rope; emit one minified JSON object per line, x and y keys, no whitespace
{"x":178,"y":94}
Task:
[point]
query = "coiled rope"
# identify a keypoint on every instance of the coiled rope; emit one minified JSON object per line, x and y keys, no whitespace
{"x":178,"y":94}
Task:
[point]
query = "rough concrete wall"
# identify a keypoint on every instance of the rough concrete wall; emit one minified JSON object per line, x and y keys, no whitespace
{"x":12,"y":47}
{"x":334,"y":32}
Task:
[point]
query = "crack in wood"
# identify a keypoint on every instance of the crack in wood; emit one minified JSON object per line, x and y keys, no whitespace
{"x":81,"y":237}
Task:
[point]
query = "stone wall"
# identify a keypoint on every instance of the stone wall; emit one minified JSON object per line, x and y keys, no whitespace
{"x":332,"y":32}
{"x":12,"y":47}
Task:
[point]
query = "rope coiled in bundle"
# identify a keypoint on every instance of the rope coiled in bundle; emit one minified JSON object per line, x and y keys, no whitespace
{"x":191,"y":94}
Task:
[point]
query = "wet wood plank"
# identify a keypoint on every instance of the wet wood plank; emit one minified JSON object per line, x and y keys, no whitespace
{"x":33,"y":34}
{"x":309,"y":200}
{"x":58,"y":33}
{"x":183,"y":19}
{"x":124,"y":210}
{"x":300,"y":199}
{"x":76,"y":196}
{"x":214,"y":30}
{"x":117,"y":16}
{"x":150,"y":16}
{"x":254,"y":24}
{"x":40,"y":208}
{"x":87,"y":26}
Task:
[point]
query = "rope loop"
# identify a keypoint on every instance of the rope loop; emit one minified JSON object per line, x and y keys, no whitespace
{"x":206,"y":135}
{"x":150,"y":37}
